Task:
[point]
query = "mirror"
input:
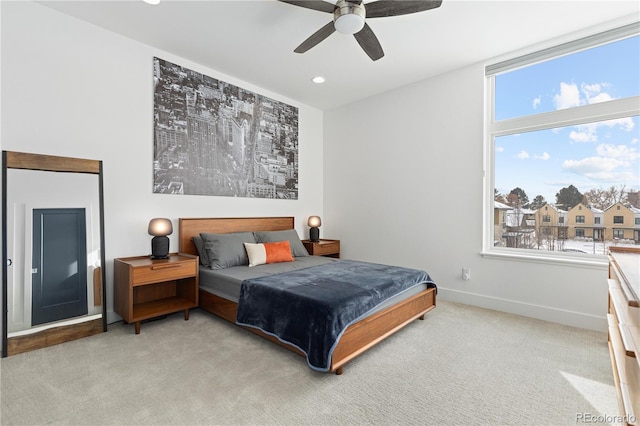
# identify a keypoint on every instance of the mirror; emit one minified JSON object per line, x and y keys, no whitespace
{"x":53,"y":250}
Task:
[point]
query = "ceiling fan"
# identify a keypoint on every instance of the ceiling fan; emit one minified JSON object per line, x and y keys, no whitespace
{"x":349,"y":18}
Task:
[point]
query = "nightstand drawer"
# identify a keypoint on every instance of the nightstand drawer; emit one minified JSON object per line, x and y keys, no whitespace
{"x":329,"y":247}
{"x":163,"y":272}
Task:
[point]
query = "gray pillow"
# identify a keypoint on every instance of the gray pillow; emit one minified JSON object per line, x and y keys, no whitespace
{"x":202,"y":253}
{"x":297,"y":248}
{"x":225,"y":250}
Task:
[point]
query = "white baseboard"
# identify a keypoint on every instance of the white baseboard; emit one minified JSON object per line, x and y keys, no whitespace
{"x":545,"y":313}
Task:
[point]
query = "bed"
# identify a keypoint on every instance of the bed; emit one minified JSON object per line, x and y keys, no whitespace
{"x":360,"y":335}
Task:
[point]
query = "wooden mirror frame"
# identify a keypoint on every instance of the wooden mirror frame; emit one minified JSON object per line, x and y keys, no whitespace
{"x":55,"y":335}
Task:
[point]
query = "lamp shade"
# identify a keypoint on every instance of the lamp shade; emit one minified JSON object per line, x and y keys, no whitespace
{"x":160,"y":227}
{"x":314,"y":221}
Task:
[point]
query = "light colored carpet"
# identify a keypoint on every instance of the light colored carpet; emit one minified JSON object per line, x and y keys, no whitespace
{"x":462,"y":365}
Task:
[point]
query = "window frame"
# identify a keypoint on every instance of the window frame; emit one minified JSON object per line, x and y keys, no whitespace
{"x":591,"y":113}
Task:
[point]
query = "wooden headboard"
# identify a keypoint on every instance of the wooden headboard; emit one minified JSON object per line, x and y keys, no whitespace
{"x":189,"y":227}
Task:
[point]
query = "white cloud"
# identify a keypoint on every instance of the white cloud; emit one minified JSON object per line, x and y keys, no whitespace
{"x":635,"y":141}
{"x":571,"y":96}
{"x":591,"y":165}
{"x":612,"y":177}
{"x":523,"y":155}
{"x":545,"y":156}
{"x":612,"y":164}
{"x":499,"y":148}
{"x":626,"y":123}
{"x":568,"y":97}
{"x":594,"y":94}
{"x":591,"y":89}
{"x":621,"y":152}
{"x":584,"y":136}
{"x":601,"y":97}
{"x":589,"y":132}
{"x":536,"y":102}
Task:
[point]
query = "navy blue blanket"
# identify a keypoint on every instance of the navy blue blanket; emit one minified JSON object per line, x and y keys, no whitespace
{"x":310,"y":308}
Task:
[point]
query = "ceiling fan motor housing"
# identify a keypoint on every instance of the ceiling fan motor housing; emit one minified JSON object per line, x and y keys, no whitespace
{"x":348,"y":17}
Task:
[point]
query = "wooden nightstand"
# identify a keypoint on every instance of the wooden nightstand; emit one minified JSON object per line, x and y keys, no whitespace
{"x":328,"y":248}
{"x":147,"y":288}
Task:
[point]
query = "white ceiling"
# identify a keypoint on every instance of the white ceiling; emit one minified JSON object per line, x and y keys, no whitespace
{"x":254,"y":40}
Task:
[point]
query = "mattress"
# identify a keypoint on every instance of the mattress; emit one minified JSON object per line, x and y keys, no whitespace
{"x":226,"y":282}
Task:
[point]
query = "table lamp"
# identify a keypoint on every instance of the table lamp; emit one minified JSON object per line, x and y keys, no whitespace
{"x":160,"y":228}
{"x":314,"y":233}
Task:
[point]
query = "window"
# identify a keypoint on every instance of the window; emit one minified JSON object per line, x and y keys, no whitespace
{"x":618,"y":219}
{"x":637,"y":221}
{"x":563,"y":125}
{"x":596,"y":220}
{"x":618,"y":234}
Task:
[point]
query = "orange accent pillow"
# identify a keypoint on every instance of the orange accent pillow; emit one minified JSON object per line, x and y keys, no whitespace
{"x":260,"y":254}
{"x":278,"y":252}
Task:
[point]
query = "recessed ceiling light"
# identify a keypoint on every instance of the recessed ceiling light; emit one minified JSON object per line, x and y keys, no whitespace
{"x":318,"y":79}
{"x":153,"y":2}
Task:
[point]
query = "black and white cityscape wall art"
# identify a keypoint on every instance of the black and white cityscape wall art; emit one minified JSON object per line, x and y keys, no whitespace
{"x":214,"y":138}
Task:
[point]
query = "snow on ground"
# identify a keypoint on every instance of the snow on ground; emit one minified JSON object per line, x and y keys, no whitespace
{"x":594,"y":247}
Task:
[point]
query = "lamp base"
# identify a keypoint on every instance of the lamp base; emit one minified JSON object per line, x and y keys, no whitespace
{"x":160,"y":247}
{"x":314,"y":234}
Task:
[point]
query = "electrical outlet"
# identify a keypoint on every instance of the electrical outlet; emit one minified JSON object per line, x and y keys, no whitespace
{"x":466,"y":274}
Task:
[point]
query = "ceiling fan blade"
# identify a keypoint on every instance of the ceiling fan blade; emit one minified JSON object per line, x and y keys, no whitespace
{"x":318,"y":5}
{"x":369,"y":42}
{"x":383,"y":8}
{"x":316,"y":38}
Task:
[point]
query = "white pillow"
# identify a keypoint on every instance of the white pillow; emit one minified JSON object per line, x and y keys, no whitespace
{"x":275,"y":252}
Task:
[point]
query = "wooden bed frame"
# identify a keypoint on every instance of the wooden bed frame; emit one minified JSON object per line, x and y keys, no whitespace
{"x":356,"y":339}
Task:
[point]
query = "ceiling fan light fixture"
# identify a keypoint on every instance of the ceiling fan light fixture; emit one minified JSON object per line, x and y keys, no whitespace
{"x":348,"y":18}
{"x":349,"y":24}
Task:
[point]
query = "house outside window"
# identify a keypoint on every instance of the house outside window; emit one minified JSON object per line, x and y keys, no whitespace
{"x":565,"y":111}
{"x":618,"y":219}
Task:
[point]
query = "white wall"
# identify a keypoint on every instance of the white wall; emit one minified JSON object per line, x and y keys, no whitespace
{"x":404,"y":183}
{"x":70,"y":88}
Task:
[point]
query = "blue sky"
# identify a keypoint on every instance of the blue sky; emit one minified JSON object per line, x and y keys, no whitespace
{"x":596,"y":155}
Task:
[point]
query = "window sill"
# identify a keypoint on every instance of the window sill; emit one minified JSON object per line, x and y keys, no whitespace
{"x":592,"y":261}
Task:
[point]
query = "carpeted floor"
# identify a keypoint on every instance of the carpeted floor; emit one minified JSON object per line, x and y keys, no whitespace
{"x":461,"y":366}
